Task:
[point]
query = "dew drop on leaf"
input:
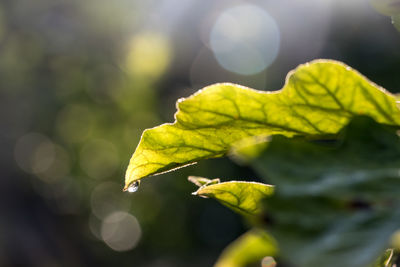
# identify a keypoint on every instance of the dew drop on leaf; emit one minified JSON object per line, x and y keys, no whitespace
{"x":133,"y":187}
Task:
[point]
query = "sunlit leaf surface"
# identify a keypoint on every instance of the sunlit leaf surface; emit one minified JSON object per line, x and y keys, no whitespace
{"x":243,"y":197}
{"x":317,"y":98}
{"x":251,"y":247}
{"x":336,"y":203}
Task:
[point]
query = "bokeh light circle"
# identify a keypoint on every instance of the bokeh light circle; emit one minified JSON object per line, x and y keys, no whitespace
{"x":149,"y":55}
{"x":245,"y":39}
{"x":121,"y":231}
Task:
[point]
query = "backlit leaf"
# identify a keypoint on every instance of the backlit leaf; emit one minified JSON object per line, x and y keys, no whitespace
{"x":242,"y":197}
{"x":318,"y":98}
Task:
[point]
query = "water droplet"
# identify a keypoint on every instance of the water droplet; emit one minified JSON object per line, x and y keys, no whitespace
{"x":133,"y":187}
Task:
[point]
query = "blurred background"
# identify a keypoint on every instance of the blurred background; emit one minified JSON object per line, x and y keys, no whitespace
{"x":80,"y":81}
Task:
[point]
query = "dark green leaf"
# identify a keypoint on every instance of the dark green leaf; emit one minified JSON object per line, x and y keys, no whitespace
{"x":336,"y":203}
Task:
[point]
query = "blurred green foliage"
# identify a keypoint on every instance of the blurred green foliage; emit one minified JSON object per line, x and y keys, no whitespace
{"x":335,"y":202}
{"x":389,"y":8}
{"x":79,"y":83}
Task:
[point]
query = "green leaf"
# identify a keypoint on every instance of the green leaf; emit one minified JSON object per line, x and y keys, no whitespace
{"x":318,"y":98}
{"x":336,"y":203}
{"x":242,"y":197}
{"x":249,"y":248}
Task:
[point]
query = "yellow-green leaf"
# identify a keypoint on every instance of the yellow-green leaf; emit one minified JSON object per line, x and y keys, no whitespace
{"x":248,"y":248}
{"x":242,"y":197}
{"x":318,"y":98}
